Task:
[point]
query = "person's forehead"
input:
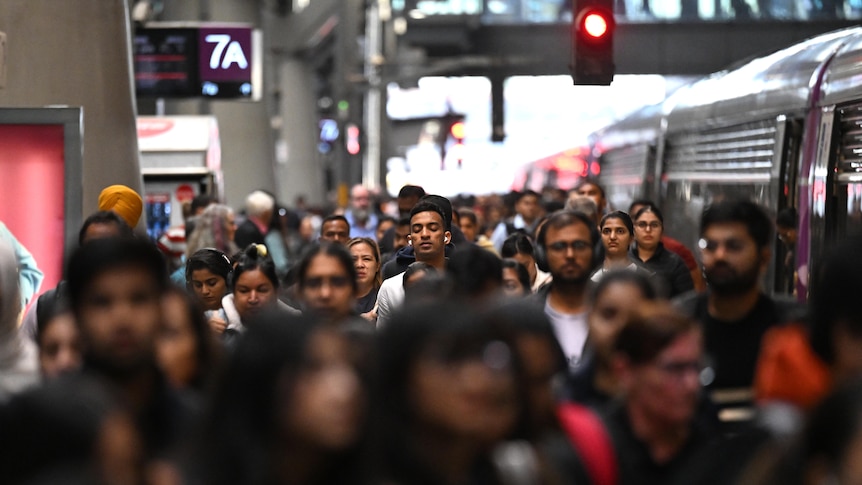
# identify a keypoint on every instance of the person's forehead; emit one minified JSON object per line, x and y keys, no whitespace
{"x":325,"y":264}
{"x":426,"y":217}
{"x":359,"y":192}
{"x":574,"y":229}
{"x":335,"y":225}
{"x":727,"y":230}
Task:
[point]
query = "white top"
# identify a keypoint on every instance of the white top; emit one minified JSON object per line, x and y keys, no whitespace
{"x":390,"y":296}
{"x":571,"y":331}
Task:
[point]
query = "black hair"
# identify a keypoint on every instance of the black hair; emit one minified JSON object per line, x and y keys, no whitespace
{"x":403,"y":221}
{"x":746,"y":212}
{"x":242,"y":428}
{"x":638,"y":202}
{"x":201,"y":202}
{"x":834,"y":296}
{"x":442,"y":203}
{"x":787,"y":217}
{"x":474,"y":271}
{"x":517,"y":243}
{"x":255,"y":257}
{"x":411,"y":191}
{"x":832,"y":427}
{"x":637,"y":279}
{"x":649,"y":330}
{"x":623,"y":216}
{"x":413,"y":268}
{"x":105,"y":217}
{"x":466,"y":213}
{"x":210,"y":259}
{"x":335,"y":217}
{"x":96,"y":257}
{"x":649,"y":208}
{"x":47,"y":311}
{"x":337,"y":251}
{"x":428,"y":206}
{"x":527,"y":193}
{"x":206,"y":352}
{"x":521,"y":270}
{"x":446,"y":330}
{"x":385,"y":219}
{"x":522,"y":317}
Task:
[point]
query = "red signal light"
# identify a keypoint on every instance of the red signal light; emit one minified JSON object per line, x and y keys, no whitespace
{"x":457,"y":130}
{"x":595,"y":25}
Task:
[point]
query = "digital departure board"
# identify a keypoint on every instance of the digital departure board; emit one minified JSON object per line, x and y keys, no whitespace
{"x":205,"y":60}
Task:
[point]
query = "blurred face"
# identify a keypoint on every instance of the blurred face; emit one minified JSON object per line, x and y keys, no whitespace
{"x":59,"y":346}
{"x":120,"y":314}
{"x":100,"y":231}
{"x":529,"y":262}
{"x":253,"y":292}
{"x":594,"y":192}
{"x":209,"y":288}
{"x":428,"y":235}
{"x":382,"y":228}
{"x":365,"y":263}
{"x":616,"y":238}
{"x":402,"y":235}
{"x":360,"y":199}
{"x":469,"y":228}
{"x":176,"y":348}
{"x":323,"y":408}
{"x":732,"y":262}
{"x":539,"y":368}
{"x":405,"y":205}
{"x":327,"y":289}
{"x":570,"y":252}
{"x":609,"y":312}
{"x":667,"y":389}
{"x":306,"y":229}
{"x":335,"y":231}
{"x":648,"y":231}
{"x":512,"y":286}
{"x":230,"y":226}
{"x":528,"y":207}
{"x":467,"y":396}
{"x":787,"y":235}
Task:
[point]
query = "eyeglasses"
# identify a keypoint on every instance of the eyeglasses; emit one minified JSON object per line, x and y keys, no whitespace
{"x":643,"y":225}
{"x":730,"y":245}
{"x":496,"y":355}
{"x":679,"y":369}
{"x":561,"y":246}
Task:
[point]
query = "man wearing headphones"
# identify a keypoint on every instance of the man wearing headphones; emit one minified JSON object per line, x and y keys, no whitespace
{"x":565,"y":249}
{"x":428,"y":237}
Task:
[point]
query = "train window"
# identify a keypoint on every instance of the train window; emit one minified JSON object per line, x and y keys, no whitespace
{"x":848,"y":217}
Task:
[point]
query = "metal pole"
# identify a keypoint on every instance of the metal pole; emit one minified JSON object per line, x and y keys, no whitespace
{"x":371,"y":163}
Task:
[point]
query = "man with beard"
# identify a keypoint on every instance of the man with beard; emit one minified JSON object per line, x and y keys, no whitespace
{"x":565,"y":249}
{"x":361,"y":216}
{"x":735,"y":244}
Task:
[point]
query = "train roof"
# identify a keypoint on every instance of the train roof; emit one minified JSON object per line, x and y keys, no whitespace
{"x":641,"y":126}
{"x":843,"y":79}
{"x":765,"y":86}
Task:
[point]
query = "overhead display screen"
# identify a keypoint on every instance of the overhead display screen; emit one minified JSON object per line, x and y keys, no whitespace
{"x":206,"y":60}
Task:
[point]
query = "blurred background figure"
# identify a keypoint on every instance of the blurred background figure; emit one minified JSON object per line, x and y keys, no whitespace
{"x":447,"y":395}
{"x":613,"y":301}
{"x":215,"y":228}
{"x":259,"y":211}
{"x":516,"y":279}
{"x":29,"y":275}
{"x":521,"y":248}
{"x":19,"y":365}
{"x":366,"y":260}
{"x":207,"y":274}
{"x":476,"y":274}
{"x":360,"y":215}
{"x":298,"y":420}
{"x":185,"y":346}
{"x":58,"y":340}
{"x":327,"y":283}
{"x":786,"y":223}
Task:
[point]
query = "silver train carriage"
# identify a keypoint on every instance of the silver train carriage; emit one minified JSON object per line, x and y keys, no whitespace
{"x":784,"y":130}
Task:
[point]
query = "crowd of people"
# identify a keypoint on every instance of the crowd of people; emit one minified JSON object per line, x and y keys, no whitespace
{"x":528,"y":339}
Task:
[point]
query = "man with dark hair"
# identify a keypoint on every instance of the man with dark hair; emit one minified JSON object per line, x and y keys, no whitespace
{"x":335,"y":229}
{"x":429,"y":237}
{"x":408,"y":196}
{"x":565,"y":249}
{"x":528,"y":212}
{"x":735,"y":244}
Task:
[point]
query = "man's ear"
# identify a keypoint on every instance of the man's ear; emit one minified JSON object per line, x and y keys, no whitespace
{"x":447,"y":237}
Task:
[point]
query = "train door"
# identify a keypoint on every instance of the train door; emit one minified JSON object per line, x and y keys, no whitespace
{"x":844,"y":201}
{"x":788,"y":143}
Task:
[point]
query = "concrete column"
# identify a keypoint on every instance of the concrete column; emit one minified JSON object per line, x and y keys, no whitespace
{"x":298,"y":166}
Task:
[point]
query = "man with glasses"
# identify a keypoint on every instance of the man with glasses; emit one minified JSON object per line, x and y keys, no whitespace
{"x":735,"y":244}
{"x":565,"y":249}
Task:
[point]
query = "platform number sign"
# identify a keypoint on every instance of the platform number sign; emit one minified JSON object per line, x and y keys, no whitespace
{"x":225,"y":61}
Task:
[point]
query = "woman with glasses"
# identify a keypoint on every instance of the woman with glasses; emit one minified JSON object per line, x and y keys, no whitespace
{"x":617,"y":232}
{"x":671,"y":274}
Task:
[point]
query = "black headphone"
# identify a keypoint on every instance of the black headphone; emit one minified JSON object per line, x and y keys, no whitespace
{"x":562,"y":218}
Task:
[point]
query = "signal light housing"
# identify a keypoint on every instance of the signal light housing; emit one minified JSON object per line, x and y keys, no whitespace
{"x":593,"y":42}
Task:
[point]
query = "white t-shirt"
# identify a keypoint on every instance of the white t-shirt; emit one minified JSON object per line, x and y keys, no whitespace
{"x":571,"y":331}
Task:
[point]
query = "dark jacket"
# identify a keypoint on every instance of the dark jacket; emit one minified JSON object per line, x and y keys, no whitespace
{"x":248,"y":233}
{"x":404,"y":258}
{"x":670,"y":271}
